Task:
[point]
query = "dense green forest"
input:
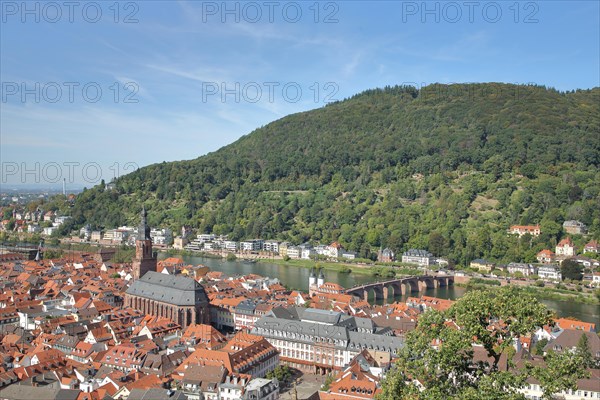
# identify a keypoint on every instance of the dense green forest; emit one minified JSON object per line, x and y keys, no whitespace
{"x":447,"y":167}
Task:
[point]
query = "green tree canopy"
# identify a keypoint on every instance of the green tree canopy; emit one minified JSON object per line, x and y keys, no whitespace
{"x":437,"y":361}
{"x":571,"y":269}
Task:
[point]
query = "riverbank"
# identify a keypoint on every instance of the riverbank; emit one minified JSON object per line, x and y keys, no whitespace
{"x":541,"y":293}
{"x":376,"y":269}
{"x":346,"y":268}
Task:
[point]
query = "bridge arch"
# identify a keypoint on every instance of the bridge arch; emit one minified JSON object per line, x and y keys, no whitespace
{"x":426,"y":283}
{"x":395,"y":290}
{"x":411,"y":285}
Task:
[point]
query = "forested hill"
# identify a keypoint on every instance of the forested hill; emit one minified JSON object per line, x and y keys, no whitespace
{"x":447,"y":168}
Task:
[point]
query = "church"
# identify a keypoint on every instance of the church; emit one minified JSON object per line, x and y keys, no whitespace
{"x":178,"y":298}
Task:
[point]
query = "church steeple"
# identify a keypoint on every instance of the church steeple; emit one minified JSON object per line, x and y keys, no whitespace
{"x":143,"y":229}
{"x":145,"y":259}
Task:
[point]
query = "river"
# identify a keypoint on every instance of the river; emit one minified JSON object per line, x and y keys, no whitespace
{"x":297,"y":278}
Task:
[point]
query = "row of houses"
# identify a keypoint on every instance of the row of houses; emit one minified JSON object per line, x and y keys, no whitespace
{"x":572,"y":227}
{"x":565,"y":248}
{"x":211,"y":242}
{"x":545,"y":272}
{"x":125,"y":235}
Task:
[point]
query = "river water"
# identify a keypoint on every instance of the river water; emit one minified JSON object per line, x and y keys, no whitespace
{"x":297,"y":278}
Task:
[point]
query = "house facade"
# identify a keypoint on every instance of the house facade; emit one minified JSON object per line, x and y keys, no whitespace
{"x":565,"y":248}
{"x":545,"y":256}
{"x":482,"y":265}
{"x":525,"y":269}
{"x":321,"y":341}
{"x":533,"y":230}
{"x":550,"y":273}
{"x":574,"y":227}
{"x":415,"y":256}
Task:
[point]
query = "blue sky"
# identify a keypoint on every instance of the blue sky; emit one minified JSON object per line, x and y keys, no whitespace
{"x":153,"y":71}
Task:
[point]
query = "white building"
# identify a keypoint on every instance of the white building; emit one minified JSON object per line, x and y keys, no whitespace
{"x":58,"y":221}
{"x":586,"y":389}
{"x":334,"y":250}
{"x":415,"y":256}
{"x":230,"y":245}
{"x":252,"y":245}
{"x":565,"y":248}
{"x":161,"y":237}
{"x":33,"y":228}
{"x":525,"y":269}
{"x":596,"y":279}
{"x":49,"y":230}
{"x":294,"y":252}
{"x":550,"y":273}
{"x":271,"y":246}
{"x":205,"y":237}
{"x":118,"y":235}
{"x":232,"y":388}
{"x":307,"y":252}
{"x":262,"y":389}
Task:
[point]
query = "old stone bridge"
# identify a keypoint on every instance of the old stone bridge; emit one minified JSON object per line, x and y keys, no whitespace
{"x":400,"y":286}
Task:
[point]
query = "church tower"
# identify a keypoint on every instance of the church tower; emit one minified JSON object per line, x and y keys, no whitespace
{"x":144,"y":260}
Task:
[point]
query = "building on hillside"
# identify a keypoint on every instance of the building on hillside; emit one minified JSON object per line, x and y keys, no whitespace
{"x":546,"y":256}
{"x":96,"y":236}
{"x":565,"y":248}
{"x":334,"y":250}
{"x":482,"y":265}
{"x":307,"y":251}
{"x":533,"y":230}
{"x":251,"y":245}
{"x":179,"y":243}
{"x":161,"y":237}
{"x":525,"y":269}
{"x":386,"y":255}
{"x":596,"y":279}
{"x":592,"y":247}
{"x":271,"y":246}
{"x":550,"y":273}
{"x":574,"y":227}
{"x":293,"y":252}
{"x":415,"y":256}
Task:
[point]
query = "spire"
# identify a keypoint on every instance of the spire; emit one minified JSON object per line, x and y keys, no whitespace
{"x":312,"y":273}
{"x":143,"y":229}
{"x":38,"y":255}
{"x":321,"y":275}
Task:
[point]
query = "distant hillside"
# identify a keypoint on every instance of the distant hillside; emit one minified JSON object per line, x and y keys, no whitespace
{"x":447,"y":168}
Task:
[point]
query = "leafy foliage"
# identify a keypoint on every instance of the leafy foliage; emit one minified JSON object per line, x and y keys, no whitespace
{"x":281,"y":372}
{"x":449,"y":167}
{"x":571,"y":269}
{"x":438,"y":361}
